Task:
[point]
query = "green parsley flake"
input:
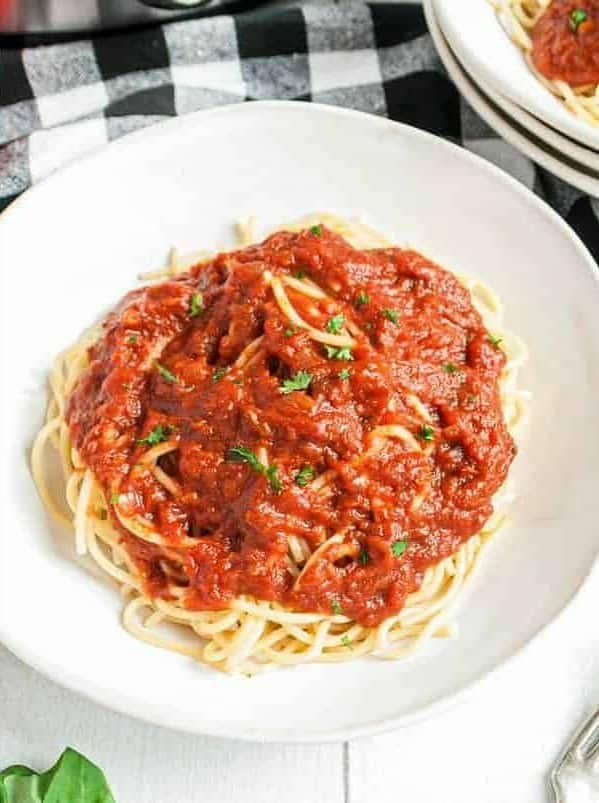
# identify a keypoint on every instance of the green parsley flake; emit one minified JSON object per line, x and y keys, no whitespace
{"x":336,"y":324}
{"x":165,"y":373}
{"x":114,"y":499}
{"x":316,"y":230}
{"x":494,"y":341}
{"x":426,"y":433}
{"x":336,"y":608}
{"x":195,"y":305}
{"x":241,"y":454}
{"x":345,"y":373}
{"x":304,"y":476}
{"x":577,"y":17}
{"x":450,"y":367}
{"x":362,"y":299}
{"x":342,"y":353}
{"x":273,"y":480}
{"x":301,"y":381}
{"x":398,"y":548}
{"x":289,"y":332}
{"x":390,"y":314}
{"x":346,"y":642}
{"x":363,"y":557}
{"x":219,"y":373}
{"x":301,"y":274}
{"x":132,"y":340}
{"x":158,"y":435}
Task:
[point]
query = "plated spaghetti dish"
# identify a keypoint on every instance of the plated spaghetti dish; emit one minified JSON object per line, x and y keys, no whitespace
{"x":295,"y":451}
{"x":560,"y":41}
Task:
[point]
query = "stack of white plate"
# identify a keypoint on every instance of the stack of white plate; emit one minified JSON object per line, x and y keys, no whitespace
{"x":491,"y":73}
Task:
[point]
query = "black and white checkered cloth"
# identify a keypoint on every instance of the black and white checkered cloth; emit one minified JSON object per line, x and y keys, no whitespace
{"x":60,"y":101}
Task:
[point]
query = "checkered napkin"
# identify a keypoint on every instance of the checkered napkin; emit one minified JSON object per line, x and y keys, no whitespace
{"x":60,"y":101}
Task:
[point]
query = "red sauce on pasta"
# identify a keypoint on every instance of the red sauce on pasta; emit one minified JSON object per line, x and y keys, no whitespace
{"x":566,"y":42}
{"x":276,"y":449}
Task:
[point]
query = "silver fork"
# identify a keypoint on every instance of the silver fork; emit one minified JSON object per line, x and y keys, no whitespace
{"x":575,"y":776}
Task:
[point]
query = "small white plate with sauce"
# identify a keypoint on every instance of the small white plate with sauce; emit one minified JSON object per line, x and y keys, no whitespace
{"x":563,"y":146}
{"x":74,"y":244}
{"x":477,"y":36}
{"x":545,"y":147}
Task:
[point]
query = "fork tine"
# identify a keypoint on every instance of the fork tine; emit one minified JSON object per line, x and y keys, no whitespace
{"x":592,"y":747}
{"x":579,"y":753}
{"x":586,"y":740}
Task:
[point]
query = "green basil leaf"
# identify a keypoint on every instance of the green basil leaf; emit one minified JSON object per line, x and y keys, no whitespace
{"x":21,"y":789}
{"x":16,"y":769}
{"x":18,"y":784}
{"x":73,"y":779}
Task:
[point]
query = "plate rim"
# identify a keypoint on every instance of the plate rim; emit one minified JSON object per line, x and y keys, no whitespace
{"x":121,"y":702}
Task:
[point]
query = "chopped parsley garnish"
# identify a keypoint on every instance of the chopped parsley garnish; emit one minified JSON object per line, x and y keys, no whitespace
{"x":289,"y":332}
{"x":362,"y":299}
{"x":577,"y":17}
{"x":195,"y":306}
{"x":450,"y":367}
{"x":114,"y":499}
{"x":346,"y":642}
{"x":494,"y":341}
{"x":316,"y":230}
{"x":301,"y":274}
{"x":301,"y":381}
{"x":336,"y":608}
{"x":335,"y":324}
{"x":390,"y":314}
{"x":363,"y":557}
{"x":132,"y":340}
{"x":240,"y":454}
{"x":158,"y":435}
{"x":398,"y":548}
{"x":342,"y":353}
{"x":219,"y":373}
{"x":345,"y":373}
{"x":304,"y":476}
{"x":426,"y":433}
{"x":165,"y":373}
{"x":273,"y":480}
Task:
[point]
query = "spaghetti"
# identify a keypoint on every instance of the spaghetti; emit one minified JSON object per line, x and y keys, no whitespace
{"x":560,"y":42}
{"x":288,"y":453}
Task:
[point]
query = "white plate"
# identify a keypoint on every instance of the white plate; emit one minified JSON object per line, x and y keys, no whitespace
{"x":72,"y":245}
{"x":507,"y":128}
{"x":587,"y":159}
{"x":476,"y":35}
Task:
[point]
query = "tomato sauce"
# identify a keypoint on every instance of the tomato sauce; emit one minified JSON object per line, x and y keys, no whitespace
{"x":421,"y":359}
{"x":565,"y":42}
